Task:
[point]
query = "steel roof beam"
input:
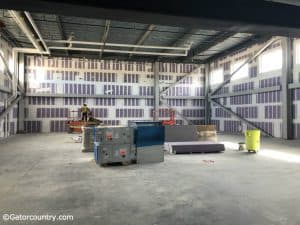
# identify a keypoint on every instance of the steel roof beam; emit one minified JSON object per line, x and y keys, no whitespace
{"x":245,"y":44}
{"x":248,"y":16}
{"x":144,"y":37}
{"x":61,"y":30}
{"x":104,"y":36}
{"x":202,"y":47}
{"x":7,"y":36}
{"x":36,"y":29}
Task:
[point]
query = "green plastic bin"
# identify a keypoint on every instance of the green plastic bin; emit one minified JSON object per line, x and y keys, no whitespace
{"x":252,"y":140}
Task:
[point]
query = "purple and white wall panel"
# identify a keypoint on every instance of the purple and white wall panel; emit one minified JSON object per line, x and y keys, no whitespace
{"x":263,"y":109}
{"x":83,"y":80}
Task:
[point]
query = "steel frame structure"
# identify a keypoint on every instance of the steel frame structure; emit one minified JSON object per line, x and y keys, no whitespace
{"x":159,"y":96}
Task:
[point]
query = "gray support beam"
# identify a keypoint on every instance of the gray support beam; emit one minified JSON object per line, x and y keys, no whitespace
{"x":8,"y":37}
{"x":61,"y":28}
{"x":87,"y":96}
{"x":6,"y":90}
{"x":144,"y":37}
{"x":207,"y":95}
{"x":184,"y":97}
{"x":21,"y":70}
{"x":250,"y":92}
{"x":294,"y":85}
{"x":239,"y":117}
{"x":21,"y":115}
{"x":61,"y":31}
{"x":286,"y":93}
{"x":252,"y":40}
{"x":269,"y":43}
{"x":21,"y":80}
{"x":183,"y":40}
{"x":211,"y":42}
{"x":177,"y":82}
{"x":104,"y":36}
{"x":156,"y":91}
{"x":9,"y":107}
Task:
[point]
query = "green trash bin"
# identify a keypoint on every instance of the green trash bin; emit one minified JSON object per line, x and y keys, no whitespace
{"x":252,"y":140}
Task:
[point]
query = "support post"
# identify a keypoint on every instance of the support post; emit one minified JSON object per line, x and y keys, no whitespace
{"x":207,"y":95}
{"x":156,"y":91}
{"x":21,"y":105}
{"x":286,"y":93}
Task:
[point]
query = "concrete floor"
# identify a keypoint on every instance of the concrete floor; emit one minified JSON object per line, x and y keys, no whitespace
{"x":47,"y":174}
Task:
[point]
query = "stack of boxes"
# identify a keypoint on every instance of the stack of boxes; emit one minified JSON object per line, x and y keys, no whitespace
{"x":113,"y":145}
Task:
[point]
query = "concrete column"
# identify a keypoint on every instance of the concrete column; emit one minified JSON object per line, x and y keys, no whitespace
{"x":156,"y":91}
{"x":286,"y":93}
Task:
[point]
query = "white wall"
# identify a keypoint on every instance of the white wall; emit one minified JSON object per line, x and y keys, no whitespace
{"x":262,"y":109}
{"x":57,"y":75}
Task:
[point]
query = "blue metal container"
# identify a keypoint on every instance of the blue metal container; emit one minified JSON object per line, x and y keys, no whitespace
{"x":138,"y":123}
{"x":149,"y":135}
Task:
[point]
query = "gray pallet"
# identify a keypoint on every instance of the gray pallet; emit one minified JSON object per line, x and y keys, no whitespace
{"x":195,"y":147}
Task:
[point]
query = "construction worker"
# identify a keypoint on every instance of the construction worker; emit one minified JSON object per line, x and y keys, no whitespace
{"x":84,"y":112}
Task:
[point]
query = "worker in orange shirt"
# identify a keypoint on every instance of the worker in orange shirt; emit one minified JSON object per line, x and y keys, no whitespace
{"x":84,"y":112}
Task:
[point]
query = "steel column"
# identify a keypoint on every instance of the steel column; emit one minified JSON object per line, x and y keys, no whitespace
{"x":207,"y":95}
{"x":156,"y":91}
{"x":21,"y":79}
{"x":286,"y":93}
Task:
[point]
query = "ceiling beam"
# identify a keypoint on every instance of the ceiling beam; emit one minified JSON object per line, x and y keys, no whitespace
{"x":209,"y":43}
{"x":61,"y":30}
{"x":7,"y":36}
{"x":182,"y":40}
{"x":104,"y":36}
{"x":144,"y":36}
{"x":244,"y":16}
